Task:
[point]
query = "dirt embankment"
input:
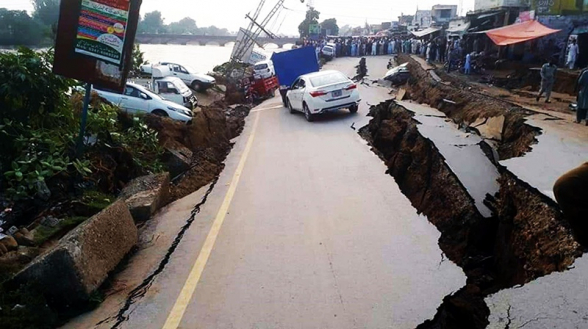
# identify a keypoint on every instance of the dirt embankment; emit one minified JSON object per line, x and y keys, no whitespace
{"x":531,"y":80}
{"x":465,"y":107}
{"x":207,"y":137}
{"x":525,"y":239}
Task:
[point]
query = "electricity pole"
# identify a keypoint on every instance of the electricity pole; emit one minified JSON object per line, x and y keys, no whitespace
{"x":255,"y":29}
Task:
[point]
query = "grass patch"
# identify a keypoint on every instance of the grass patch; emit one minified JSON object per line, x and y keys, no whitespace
{"x":97,"y":200}
{"x":44,"y":233}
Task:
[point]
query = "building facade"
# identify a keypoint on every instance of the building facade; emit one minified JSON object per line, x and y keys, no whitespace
{"x":443,"y":13}
{"x":422,"y":18}
{"x":482,"y":5}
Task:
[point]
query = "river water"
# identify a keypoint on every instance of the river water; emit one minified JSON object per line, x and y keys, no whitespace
{"x":201,"y":58}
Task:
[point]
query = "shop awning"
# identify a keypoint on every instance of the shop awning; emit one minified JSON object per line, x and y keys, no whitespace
{"x":420,"y":34}
{"x":511,"y":34}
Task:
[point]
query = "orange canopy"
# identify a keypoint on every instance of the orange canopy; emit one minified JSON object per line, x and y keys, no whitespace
{"x":516,"y":33}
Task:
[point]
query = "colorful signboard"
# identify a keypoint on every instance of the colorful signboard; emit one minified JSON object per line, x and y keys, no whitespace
{"x":95,"y":40}
{"x":102,"y":26}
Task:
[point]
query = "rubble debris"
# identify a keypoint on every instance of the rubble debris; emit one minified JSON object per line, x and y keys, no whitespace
{"x":492,"y":128}
{"x":79,"y":264}
{"x":24,"y":238}
{"x":9,"y":242}
{"x":145,"y":195}
{"x":177,"y":159}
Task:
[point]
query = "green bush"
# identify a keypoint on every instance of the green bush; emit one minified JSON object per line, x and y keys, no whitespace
{"x":143,"y":142}
{"x":39,"y":126}
{"x":28,"y":88}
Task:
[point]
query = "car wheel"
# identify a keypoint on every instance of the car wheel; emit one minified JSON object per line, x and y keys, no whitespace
{"x":292,"y":111}
{"x":160,"y":113}
{"x":309,"y":116}
{"x":353,"y":109}
{"x":197,"y":86}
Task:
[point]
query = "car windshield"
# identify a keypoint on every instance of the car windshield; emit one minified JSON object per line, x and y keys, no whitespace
{"x":190,"y":69}
{"x":150,"y":93}
{"x":260,"y":66}
{"x":328,"y":79}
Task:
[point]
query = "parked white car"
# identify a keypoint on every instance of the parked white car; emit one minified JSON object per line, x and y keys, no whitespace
{"x":321,"y":92}
{"x":264,"y":69}
{"x":197,"y":81}
{"x":328,"y":52}
{"x":137,"y":99}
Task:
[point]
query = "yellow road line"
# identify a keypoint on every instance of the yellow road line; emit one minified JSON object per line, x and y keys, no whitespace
{"x":177,"y":312}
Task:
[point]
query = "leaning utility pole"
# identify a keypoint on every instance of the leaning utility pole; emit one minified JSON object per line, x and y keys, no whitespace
{"x":242,"y":47}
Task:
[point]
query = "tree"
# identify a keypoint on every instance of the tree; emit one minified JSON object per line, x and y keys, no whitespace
{"x":152,"y":23}
{"x":138,"y":58}
{"x":312,"y":17}
{"x":331,"y":26}
{"x":345,"y":30}
{"x":184,"y":26}
{"x":46,"y":12}
{"x":18,"y":28}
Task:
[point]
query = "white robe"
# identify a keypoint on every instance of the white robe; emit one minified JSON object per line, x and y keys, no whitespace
{"x":573,"y":53}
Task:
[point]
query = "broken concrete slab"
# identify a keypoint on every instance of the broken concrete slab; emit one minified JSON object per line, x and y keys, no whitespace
{"x":81,"y":261}
{"x":421,"y":109}
{"x":401,"y":94}
{"x":145,"y":195}
{"x":493,"y":128}
{"x":478,"y":122}
{"x":553,"y":301}
{"x":9,"y":242}
{"x":177,"y":159}
{"x":560,"y":148}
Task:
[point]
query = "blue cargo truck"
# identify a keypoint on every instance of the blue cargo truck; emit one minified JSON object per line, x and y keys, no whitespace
{"x":291,"y":64}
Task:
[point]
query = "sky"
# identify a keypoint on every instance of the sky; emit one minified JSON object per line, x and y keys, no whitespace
{"x":230,"y":14}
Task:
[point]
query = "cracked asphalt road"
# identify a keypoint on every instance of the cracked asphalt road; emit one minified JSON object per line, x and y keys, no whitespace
{"x":315,"y":235}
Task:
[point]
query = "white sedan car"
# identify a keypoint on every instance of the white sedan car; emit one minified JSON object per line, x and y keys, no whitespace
{"x":137,"y":99}
{"x":322,"y":92}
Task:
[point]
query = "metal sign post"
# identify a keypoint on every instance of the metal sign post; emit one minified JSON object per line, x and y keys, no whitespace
{"x":80,"y":144}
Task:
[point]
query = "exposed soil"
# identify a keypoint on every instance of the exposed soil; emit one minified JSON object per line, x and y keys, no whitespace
{"x":525,"y":239}
{"x":510,"y":89}
{"x":208,"y":136}
{"x":565,"y":81}
{"x":517,"y":137}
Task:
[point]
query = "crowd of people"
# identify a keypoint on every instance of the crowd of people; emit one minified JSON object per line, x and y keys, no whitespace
{"x":439,"y":49}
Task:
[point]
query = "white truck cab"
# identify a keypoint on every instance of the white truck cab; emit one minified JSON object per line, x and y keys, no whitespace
{"x":264,"y":69}
{"x":197,"y":81}
{"x":172,"y":88}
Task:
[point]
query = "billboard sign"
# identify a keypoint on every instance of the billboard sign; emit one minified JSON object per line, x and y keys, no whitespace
{"x":561,"y":7}
{"x":314,"y":31}
{"x":243,"y":38}
{"x":102,"y":26}
{"x":95,"y":41}
{"x":314,"y":28}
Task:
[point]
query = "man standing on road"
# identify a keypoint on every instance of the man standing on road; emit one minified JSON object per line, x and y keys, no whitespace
{"x":547,"y":80}
{"x":468,"y":64}
{"x":572,"y":55}
{"x":582,"y":88}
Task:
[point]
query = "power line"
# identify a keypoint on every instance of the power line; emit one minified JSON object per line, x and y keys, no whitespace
{"x":337,"y":15}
